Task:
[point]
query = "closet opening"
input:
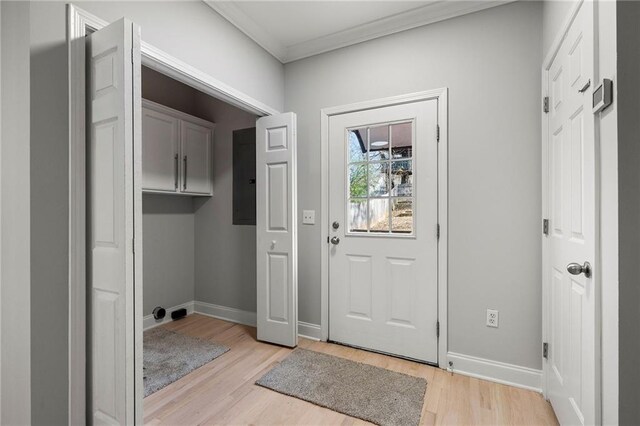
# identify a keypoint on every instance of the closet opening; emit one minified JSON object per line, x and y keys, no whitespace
{"x":237,"y":278}
{"x":198,"y":225}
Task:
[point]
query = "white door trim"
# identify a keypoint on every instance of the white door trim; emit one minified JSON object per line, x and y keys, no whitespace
{"x":79,"y":23}
{"x":443,"y":187}
{"x":546,"y":65}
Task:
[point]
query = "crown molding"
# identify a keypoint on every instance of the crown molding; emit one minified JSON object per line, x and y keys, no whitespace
{"x":428,"y":14}
{"x":232,"y":13}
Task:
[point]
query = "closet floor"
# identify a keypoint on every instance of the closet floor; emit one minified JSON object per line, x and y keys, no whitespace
{"x":224,"y":390}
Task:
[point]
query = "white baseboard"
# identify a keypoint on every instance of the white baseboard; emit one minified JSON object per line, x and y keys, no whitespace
{"x":149,"y":322}
{"x":224,"y":313}
{"x":305,"y":329}
{"x":309,"y":331}
{"x":495,"y":371}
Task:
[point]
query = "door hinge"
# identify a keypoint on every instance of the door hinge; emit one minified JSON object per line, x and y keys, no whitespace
{"x":132,"y":61}
{"x":133,"y":245}
{"x":545,"y":350}
{"x":437,"y":328}
{"x":438,"y":132}
{"x":545,"y":104}
{"x":438,"y":231}
{"x":545,"y":226}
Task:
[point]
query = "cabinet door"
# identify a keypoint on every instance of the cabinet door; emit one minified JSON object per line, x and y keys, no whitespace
{"x":196,"y":158}
{"x":160,"y":160}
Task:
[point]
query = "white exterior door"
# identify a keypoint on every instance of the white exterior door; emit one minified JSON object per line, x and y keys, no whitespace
{"x":277,"y":253}
{"x":573,"y":341}
{"x":113,"y":141}
{"x":383,"y":217}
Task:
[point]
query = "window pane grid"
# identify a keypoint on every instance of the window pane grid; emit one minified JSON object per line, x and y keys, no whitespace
{"x":380,"y":168}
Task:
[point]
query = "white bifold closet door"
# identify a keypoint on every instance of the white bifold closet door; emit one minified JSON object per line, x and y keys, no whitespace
{"x":114,"y":196}
{"x":277,"y":257}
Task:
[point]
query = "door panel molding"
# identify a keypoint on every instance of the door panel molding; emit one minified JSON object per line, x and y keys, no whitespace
{"x":441,"y":95}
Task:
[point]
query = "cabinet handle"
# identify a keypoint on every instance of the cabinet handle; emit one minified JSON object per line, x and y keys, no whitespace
{"x":175,"y":158}
{"x":184,"y":183}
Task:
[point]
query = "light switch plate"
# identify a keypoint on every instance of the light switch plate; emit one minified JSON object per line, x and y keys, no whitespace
{"x":309,"y":217}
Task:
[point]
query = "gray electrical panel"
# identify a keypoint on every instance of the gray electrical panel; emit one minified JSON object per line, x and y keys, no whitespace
{"x":244,"y":177}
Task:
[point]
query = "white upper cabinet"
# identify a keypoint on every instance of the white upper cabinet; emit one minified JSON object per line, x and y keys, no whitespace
{"x":196,"y":158}
{"x":159,"y":151}
{"x":176,"y":151}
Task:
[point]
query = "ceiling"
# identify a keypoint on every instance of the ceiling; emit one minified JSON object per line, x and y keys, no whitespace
{"x":292,"y":30}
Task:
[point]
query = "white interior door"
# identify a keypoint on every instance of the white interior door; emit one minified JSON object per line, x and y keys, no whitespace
{"x":277,"y":252}
{"x":383,"y":217}
{"x":112,"y":82}
{"x":572,"y":305}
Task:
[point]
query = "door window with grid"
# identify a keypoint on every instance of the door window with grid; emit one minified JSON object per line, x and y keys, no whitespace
{"x":380,"y":189}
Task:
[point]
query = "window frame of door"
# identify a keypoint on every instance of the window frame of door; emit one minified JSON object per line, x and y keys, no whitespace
{"x":81,"y":23}
{"x":546,"y":260}
{"x":441,"y":95}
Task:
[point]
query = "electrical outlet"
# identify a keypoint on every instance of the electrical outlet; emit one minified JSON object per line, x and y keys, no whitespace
{"x":492,"y":318}
{"x":309,"y":217}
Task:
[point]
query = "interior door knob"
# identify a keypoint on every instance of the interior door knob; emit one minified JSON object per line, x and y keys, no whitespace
{"x":577,"y":269}
{"x":335,"y":241}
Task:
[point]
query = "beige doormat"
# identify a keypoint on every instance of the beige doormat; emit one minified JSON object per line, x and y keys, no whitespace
{"x":359,"y":390}
{"x":169,"y":356}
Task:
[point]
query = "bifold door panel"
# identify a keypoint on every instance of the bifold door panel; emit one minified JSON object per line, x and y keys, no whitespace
{"x":110,"y":118}
{"x":276,"y":222}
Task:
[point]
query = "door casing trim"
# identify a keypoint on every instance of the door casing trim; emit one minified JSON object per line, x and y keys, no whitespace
{"x":79,"y":24}
{"x":443,"y":196}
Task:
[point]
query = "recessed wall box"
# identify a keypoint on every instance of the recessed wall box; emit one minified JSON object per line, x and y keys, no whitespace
{"x":602,"y":95}
{"x":159,"y":312}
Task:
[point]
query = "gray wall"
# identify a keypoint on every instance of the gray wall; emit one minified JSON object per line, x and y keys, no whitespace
{"x":225,"y":253}
{"x":189,"y":31}
{"x":168,"y":256}
{"x":628,"y":16}
{"x":15,"y":404}
{"x":49,"y":215}
{"x":490,"y":61}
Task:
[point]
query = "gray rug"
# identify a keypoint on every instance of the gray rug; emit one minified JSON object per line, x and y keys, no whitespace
{"x":359,"y":390}
{"x":168,"y":356}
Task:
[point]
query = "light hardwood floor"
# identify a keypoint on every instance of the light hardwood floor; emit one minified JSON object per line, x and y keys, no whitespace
{"x":223,"y":391}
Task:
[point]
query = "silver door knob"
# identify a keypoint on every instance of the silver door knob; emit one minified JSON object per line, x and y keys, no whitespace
{"x":335,"y":241}
{"x":577,"y":269}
